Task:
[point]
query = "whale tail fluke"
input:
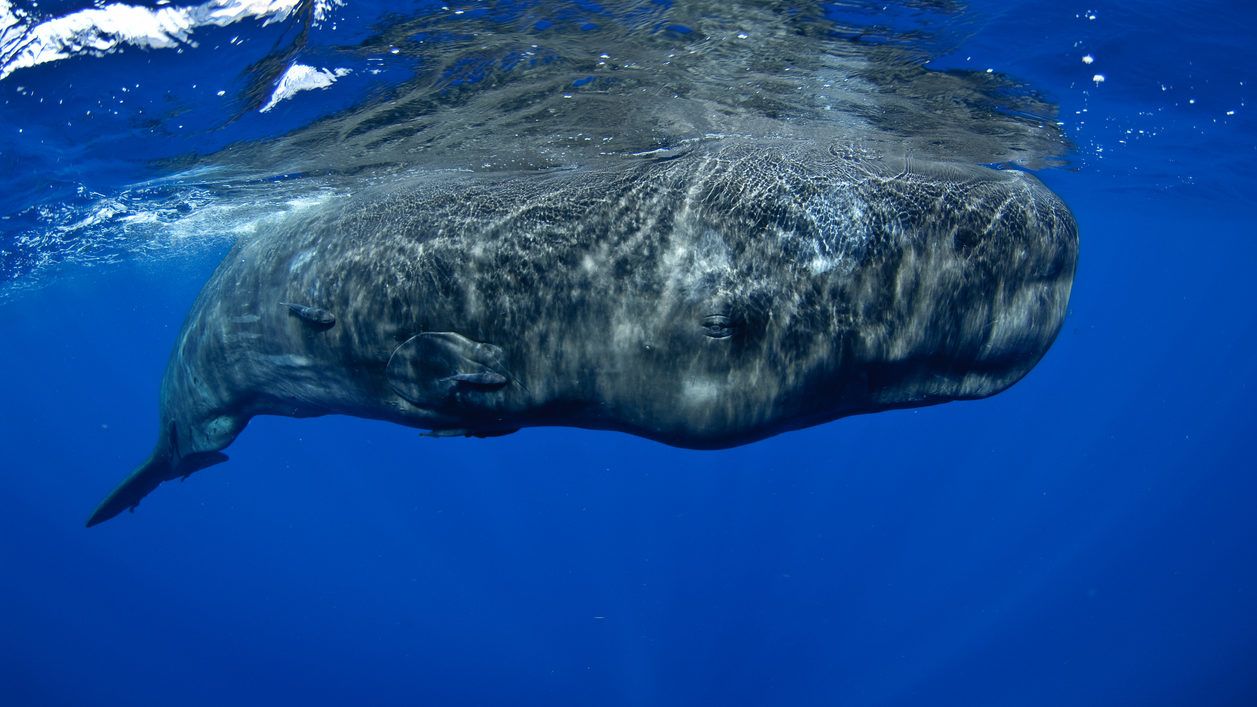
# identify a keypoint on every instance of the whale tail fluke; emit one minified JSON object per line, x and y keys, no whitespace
{"x":161,"y":466}
{"x":127,"y":495}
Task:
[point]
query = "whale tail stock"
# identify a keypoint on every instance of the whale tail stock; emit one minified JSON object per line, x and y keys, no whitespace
{"x":164,"y":464}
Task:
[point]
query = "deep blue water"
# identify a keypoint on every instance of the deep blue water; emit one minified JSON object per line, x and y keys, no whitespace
{"x":1085,"y":538}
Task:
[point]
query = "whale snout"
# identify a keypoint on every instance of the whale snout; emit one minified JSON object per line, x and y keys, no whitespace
{"x":974,"y":293}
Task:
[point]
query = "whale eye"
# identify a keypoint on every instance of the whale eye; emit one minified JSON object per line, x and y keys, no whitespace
{"x":718,"y":326}
{"x":741,"y":318}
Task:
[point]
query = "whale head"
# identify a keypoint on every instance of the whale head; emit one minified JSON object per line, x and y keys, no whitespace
{"x":801,"y":290}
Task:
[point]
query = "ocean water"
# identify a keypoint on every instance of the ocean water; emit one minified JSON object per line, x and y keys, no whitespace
{"x":1084,"y":538}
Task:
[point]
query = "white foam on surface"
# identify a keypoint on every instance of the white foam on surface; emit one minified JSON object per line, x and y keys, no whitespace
{"x":300,"y":77}
{"x":25,"y":42}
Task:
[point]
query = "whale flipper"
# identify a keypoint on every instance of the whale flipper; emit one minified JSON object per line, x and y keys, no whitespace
{"x":429,"y":368}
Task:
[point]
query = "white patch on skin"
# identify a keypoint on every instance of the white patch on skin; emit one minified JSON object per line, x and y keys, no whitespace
{"x":293,"y":361}
{"x":302,"y":258}
{"x":688,"y":265}
{"x":626,"y":334}
{"x":699,"y":391}
{"x":219,"y":426}
{"x":822,"y":263}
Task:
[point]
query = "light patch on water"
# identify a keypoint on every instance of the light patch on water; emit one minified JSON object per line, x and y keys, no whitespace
{"x":103,"y":213}
{"x":309,"y":201}
{"x":140,"y":218}
{"x":169,"y":217}
{"x":245,"y":218}
{"x":25,"y":42}
{"x":300,"y":77}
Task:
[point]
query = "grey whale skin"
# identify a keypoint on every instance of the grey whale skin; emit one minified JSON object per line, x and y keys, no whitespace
{"x":705,"y":299}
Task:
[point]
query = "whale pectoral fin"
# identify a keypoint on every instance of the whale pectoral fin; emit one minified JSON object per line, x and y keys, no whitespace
{"x":430,"y":368}
{"x":161,"y":466}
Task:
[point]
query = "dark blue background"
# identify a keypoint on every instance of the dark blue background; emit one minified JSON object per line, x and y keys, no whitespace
{"x":1086,"y":538}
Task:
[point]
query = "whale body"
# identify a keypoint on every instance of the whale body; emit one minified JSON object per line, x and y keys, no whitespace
{"x":705,"y":298}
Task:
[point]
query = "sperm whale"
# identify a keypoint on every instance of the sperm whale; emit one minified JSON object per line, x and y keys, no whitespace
{"x":704,"y":298}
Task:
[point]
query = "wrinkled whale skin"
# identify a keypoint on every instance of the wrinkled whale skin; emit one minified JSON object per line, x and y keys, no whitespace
{"x":704,"y":299}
